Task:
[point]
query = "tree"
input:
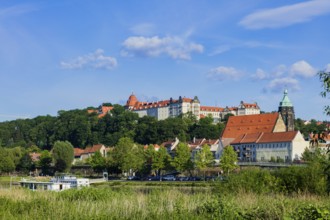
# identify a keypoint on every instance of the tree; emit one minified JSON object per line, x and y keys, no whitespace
{"x":63,"y":155}
{"x":182,"y":160}
{"x":128,"y":156}
{"x":45,"y":162}
{"x":6,"y":161}
{"x":204,"y":158}
{"x":228,"y":159}
{"x":160,"y":160}
{"x":98,"y":162}
{"x":325,"y":80}
{"x":25,"y":163}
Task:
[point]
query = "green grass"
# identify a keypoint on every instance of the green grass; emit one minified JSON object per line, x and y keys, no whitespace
{"x":133,"y":200}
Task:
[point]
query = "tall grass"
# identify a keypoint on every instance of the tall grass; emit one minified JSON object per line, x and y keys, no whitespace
{"x":127,"y":202}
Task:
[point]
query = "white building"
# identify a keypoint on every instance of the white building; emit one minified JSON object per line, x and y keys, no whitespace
{"x":280,"y":146}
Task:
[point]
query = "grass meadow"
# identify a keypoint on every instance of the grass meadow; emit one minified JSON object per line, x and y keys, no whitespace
{"x":127,"y":200}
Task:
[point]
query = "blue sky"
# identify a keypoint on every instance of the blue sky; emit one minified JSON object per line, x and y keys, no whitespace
{"x":61,"y":55}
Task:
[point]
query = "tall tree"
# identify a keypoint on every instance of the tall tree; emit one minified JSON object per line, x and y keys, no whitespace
{"x":325,"y":80}
{"x":128,"y":156}
{"x":63,"y":155}
{"x":228,"y":159}
{"x":45,"y":162}
{"x":98,"y":162}
{"x":204,"y":158}
{"x":160,"y":160}
{"x":25,"y":163}
{"x":182,"y":159}
{"x":6,"y":161}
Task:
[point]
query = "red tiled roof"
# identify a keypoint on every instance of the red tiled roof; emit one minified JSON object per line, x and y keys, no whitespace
{"x":272,"y":137}
{"x":247,"y":124}
{"x":278,"y":137}
{"x":250,"y":105}
{"x":78,"y":152}
{"x":211,"y":109}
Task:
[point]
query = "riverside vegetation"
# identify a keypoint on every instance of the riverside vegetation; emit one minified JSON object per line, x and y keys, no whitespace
{"x":250,"y":194}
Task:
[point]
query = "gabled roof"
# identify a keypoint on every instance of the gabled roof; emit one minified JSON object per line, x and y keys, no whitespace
{"x":278,"y":137}
{"x":248,"y":124}
{"x":286,"y":136}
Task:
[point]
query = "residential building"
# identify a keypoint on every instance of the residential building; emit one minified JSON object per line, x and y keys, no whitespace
{"x":83,"y":154}
{"x":280,"y":146}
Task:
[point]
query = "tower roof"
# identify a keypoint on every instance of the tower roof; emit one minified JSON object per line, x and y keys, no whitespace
{"x":132,"y":100}
{"x":286,"y":101}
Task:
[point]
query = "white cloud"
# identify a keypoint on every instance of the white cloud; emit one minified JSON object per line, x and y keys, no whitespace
{"x":279,"y":84}
{"x":286,"y":15}
{"x":302,"y":68}
{"x":223,"y":73}
{"x":174,"y":47}
{"x":96,"y":60}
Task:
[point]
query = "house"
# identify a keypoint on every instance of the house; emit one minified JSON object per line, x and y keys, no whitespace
{"x":285,"y":146}
{"x":83,"y":154}
{"x":249,"y":124}
{"x":170,"y":146}
{"x":196,"y":145}
{"x":155,"y":146}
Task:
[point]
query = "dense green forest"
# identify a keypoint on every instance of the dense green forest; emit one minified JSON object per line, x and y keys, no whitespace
{"x":82,"y":129}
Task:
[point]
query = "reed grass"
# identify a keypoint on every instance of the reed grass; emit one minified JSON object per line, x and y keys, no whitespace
{"x":132,"y":202}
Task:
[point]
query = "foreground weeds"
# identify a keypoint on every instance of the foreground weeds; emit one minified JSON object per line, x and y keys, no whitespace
{"x":128,"y":202}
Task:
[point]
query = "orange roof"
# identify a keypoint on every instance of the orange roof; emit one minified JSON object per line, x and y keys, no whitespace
{"x":211,"y":109}
{"x":132,"y":100}
{"x":278,"y":137}
{"x":286,"y":136}
{"x":247,"y":124}
{"x":78,"y":152}
{"x":250,"y":105}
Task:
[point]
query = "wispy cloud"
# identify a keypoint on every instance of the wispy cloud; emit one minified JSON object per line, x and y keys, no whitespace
{"x":96,"y":60}
{"x":286,"y":15}
{"x":16,"y":10}
{"x":222,"y":73}
{"x":247,"y":44}
{"x":143,"y":29}
{"x":174,"y":47}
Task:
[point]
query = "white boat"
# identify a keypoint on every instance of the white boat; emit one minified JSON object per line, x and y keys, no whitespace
{"x":57,"y":183}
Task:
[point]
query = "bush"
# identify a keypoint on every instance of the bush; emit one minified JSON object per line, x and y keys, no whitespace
{"x":311,"y":212}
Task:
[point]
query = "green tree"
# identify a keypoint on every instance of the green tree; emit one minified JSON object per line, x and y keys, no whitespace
{"x":204,"y":158}
{"x":6,"y":161}
{"x":228,"y":159}
{"x":63,"y":155}
{"x":160,"y":160}
{"x":98,"y":162}
{"x":325,"y":80}
{"x":182,"y":159}
{"x":45,"y":162}
{"x":25,"y":163}
{"x":128,"y":156}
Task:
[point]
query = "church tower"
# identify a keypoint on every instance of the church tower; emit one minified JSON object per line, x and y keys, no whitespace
{"x":286,"y":110}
